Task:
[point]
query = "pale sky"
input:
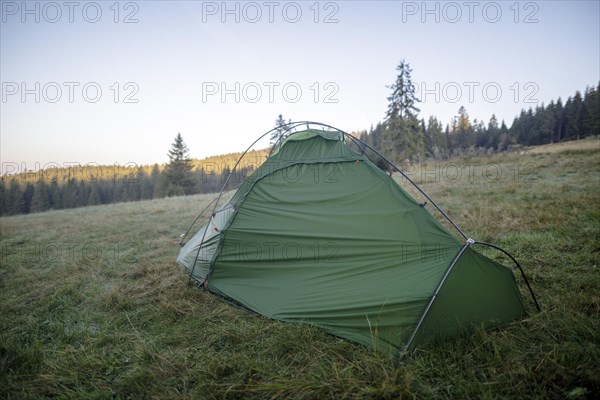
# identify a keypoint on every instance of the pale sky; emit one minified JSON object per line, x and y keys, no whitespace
{"x":105,"y":82}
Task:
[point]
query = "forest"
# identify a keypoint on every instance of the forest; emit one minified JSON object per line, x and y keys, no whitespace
{"x":402,"y":136}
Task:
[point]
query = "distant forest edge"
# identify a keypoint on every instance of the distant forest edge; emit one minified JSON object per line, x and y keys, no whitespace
{"x":402,"y":136}
{"x":87,"y":185}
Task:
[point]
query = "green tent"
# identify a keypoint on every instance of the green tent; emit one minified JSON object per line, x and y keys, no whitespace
{"x":319,"y":234}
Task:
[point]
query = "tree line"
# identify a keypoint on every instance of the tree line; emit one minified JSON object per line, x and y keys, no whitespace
{"x":61,"y":188}
{"x":401,"y":136}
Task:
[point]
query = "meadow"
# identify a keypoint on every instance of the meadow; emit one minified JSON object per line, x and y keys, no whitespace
{"x":93,"y":304}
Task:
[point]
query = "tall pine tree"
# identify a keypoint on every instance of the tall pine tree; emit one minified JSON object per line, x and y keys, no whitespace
{"x":178,"y":176}
{"x":403,"y":134}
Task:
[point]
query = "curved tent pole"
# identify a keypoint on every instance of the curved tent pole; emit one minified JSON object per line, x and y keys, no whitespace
{"x":447,"y":273}
{"x":287,"y":130}
{"x":469,"y":241}
{"x":412,"y":182}
{"x":291,"y":125}
{"x":537,"y":305}
{"x":217,"y":203}
{"x":197,"y":218}
{"x":288,"y":127}
{"x":434,"y":295}
{"x":355,"y":139}
{"x":449,"y":220}
{"x":362,"y":145}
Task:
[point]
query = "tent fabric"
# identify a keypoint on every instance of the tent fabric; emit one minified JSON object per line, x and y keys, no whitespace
{"x":478,"y":291}
{"x":198,"y":251}
{"x":318,"y":234}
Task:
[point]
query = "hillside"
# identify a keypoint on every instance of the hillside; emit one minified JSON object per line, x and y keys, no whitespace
{"x":55,"y":188}
{"x":227,"y":161}
{"x":94,"y":305}
{"x":93,"y":171}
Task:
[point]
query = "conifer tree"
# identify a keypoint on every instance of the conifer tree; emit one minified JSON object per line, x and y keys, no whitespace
{"x":279,"y":129}
{"x":464,"y":132}
{"x":95,"y":197}
{"x":15,"y":204}
{"x":41,"y":198}
{"x":590,"y":123}
{"x":55,"y":195}
{"x":155,"y":178}
{"x":27,"y":196}
{"x":179,"y":178}
{"x":493,"y":133}
{"x":436,"y":143}
{"x":3,"y":198}
{"x":560,"y":124}
{"x":576,"y":116}
{"x":403,"y":134}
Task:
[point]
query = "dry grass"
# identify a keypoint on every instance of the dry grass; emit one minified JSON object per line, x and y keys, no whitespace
{"x":589,"y":144}
{"x":93,"y":305}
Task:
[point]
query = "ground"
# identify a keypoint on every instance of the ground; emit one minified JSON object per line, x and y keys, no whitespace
{"x":92,"y":303}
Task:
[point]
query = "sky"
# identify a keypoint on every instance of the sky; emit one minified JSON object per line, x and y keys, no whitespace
{"x":89,"y":83}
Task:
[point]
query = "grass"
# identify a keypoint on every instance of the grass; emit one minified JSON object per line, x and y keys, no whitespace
{"x":93,"y":305}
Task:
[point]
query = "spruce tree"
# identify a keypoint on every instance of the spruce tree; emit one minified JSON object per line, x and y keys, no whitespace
{"x":3,"y":198}
{"x":95,"y":196}
{"x":279,"y":129}
{"x":547,"y":124}
{"x":560,"y":120}
{"x":493,"y":133}
{"x":41,"y":198}
{"x":403,"y":133}
{"x":69,"y":194}
{"x":465,"y":134}
{"x":576,"y":117}
{"x":155,"y":179}
{"x":27,"y":196}
{"x":55,"y":195}
{"x":146,"y":185}
{"x":403,"y":100}
{"x":178,"y":175}
{"x":591,"y":103}
{"x":506,"y":138}
{"x":437,"y":145}
{"x":15,"y":203}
